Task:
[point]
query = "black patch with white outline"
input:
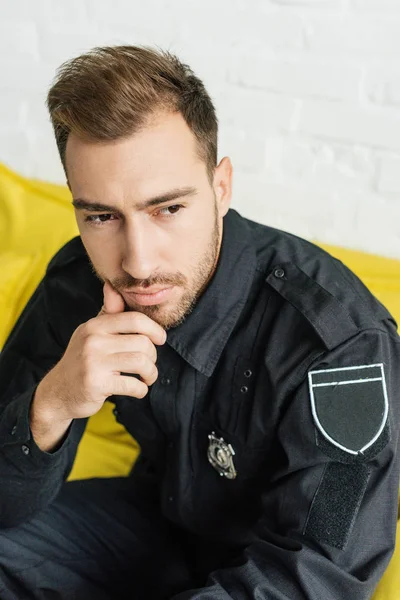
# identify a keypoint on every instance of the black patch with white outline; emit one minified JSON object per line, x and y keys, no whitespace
{"x":350,"y":407}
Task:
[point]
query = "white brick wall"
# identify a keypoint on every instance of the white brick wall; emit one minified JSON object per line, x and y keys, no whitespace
{"x":307,"y":91}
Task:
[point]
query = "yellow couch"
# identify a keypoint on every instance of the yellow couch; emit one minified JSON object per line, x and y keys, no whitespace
{"x":36,"y":219}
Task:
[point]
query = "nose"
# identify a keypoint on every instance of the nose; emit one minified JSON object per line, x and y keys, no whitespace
{"x":139,"y":256}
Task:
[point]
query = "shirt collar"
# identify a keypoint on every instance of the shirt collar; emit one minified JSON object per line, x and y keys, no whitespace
{"x":201,"y":338}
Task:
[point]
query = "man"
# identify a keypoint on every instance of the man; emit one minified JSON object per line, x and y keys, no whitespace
{"x":259,"y":376}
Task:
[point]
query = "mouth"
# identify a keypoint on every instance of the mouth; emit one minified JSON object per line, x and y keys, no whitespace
{"x":150,"y":296}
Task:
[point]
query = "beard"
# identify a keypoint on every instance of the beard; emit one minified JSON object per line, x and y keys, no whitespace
{"x":193,"y":286}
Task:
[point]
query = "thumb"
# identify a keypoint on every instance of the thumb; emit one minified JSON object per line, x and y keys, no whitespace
{"x":113,"y":301}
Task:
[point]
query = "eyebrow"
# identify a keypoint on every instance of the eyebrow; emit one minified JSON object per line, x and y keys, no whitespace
{"x":83,"y":204}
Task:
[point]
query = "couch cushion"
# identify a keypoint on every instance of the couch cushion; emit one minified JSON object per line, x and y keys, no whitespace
{"x":36,"y":219}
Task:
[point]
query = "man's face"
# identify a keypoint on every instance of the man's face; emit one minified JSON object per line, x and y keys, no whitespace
{"x":158,"y":255}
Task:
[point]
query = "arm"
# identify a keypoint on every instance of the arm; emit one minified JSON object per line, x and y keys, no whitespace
{"x":329,"y":517}
{"x":47,"y":392}
{"x":30,"y":476}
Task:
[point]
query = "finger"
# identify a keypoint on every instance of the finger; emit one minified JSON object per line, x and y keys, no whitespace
{"x":130,"y":343}
{"x":113,"y":302}
{"x":129,"y":322}
{"x":123,"y":385}
{"x":137,"y":364}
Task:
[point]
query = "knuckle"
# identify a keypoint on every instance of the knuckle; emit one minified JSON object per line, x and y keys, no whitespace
{"x":142,"y":389}
{"x":140,"y":359}
{"x":93,"y":342}
{"x":145,"y":342}
{"x":88,"y":328}
{"x":154,"y":374}
{"x":123,"y":387}
{"x":151,"y":374}
{"x":148,"y":348}
{"x":137,"y":319}
{"x":90,"y":346}
{"x":151,"y":349}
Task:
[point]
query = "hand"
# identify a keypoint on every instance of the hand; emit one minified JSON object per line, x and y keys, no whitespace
{"x":99,"y":350}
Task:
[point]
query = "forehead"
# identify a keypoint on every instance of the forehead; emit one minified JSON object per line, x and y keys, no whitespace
{"x":164,"y":152}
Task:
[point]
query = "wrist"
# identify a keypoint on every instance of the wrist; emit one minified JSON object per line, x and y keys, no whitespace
{"x":46,"y":409}
{"x":47,"y":429}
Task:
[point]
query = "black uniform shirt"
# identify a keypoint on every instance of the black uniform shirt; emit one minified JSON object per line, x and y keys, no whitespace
{"x":271,"y":432}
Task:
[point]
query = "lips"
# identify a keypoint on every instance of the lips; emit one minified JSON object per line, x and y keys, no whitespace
{"x":147,"y":291}
{"x":151,"y":296}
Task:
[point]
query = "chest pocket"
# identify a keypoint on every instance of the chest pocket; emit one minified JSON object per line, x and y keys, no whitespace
{"x":230,"y":505}
{"x":225,"y":506}
{"x":233,"y":405}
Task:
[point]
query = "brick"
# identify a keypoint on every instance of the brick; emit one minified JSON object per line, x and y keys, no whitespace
{"x":44,"y":161}
{"x":388,"y":180}
{"x":64,"y":13}
{"x":350,"y":124}
{"x":312,"y":3}
{"x":345,"y":36}
{"x":11,"y":114}
{"x":376,"y":229}
{"x":262,"y":30}
{"x":18,"y":40}
{"x":376,"y":5}
{"x":35,"y":113}
{"x":44,"y":11}
{"x":13,"y":10}
{"x":308,"y":212}
{"x":304,"y":78}
{"x":298,"y":160}
{"x":248,"y":110}
{"x":14,"y":151}
{"x":152,"y":17}
{"x":382,"y":86}
{"x":242,"y":30}
{"x":23,"y":77}
{"x":245,"y":150}
{"x":316,"y":163}
{"x":210,"y":63}
{"x":59,"y":45}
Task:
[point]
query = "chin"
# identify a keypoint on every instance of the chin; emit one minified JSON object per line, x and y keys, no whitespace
{"x":160,"y":314}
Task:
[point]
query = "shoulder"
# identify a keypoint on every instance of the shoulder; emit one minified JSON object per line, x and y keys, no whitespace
{"x":72,"y":252}
{"x":318,"y":287}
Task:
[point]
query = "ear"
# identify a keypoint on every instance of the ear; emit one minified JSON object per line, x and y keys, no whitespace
{"x":222,"y":185}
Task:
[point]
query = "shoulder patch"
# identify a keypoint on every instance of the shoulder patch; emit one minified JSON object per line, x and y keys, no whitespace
{"x":350,"y":405}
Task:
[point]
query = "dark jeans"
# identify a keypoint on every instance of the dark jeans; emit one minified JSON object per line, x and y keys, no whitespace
{"x":93,"y":543}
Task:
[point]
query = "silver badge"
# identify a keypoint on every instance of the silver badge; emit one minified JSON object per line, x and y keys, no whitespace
{"x":220,"y":456}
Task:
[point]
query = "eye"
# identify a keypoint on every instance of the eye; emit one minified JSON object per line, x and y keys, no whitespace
{"x":98,"y":219}
{"x":173,"y":210}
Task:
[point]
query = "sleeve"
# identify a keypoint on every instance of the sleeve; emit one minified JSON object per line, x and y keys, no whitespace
{"x":30,"y":478}
{"x":329,"y":511}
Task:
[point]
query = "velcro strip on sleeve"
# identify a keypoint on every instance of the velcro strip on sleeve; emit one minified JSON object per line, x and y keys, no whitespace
{"x":336,"y":503}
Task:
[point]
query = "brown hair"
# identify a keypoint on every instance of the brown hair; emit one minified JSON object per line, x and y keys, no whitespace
{"x":112,"y":92}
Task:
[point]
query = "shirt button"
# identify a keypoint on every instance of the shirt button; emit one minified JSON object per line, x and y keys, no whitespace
{"x":170,"y":498}
{"x":248,"y":373}
{"x":13,"y":430}
{"x":244,"y":389}
{"x":279,"y":273}
{"x":25,"y":449}
{"x":165,"y":381}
